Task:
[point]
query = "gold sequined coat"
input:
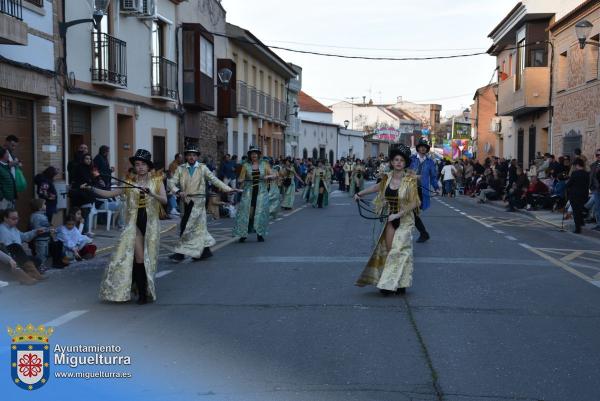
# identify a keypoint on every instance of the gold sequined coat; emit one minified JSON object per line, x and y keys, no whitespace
{"x":116,"y":284}
{"x":195,"y":237}
{"x":390,"y":269}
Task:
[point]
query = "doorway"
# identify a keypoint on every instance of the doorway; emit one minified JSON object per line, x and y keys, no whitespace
{"x":532,"y":142}
{"x":125,"y":143}
{"x":16,"y":118}
{"x":520,"y":144}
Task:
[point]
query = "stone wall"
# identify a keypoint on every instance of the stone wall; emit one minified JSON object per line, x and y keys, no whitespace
{"x":578,"y":112}
{"x":209,"y":130}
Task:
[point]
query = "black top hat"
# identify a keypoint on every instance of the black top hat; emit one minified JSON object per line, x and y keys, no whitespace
{"x":423,"y":142}
{"x":192,"y":148}
{"x":254,"y":149}
{"x":401,"y":150}
{"x":144,"y":156}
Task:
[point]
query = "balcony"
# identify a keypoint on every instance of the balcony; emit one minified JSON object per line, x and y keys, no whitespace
{"x":242,"y":101}
{"x":109,"y":61}
{"x":261,"y":103}
{"x":533,"y":94}
{"x":164,"y":79}
{"x":13,"y":31}
{"x":253,"y":100}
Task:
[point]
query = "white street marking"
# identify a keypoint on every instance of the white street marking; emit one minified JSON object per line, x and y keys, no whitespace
{"x":67,"y":317}
{"x":499,"y":231}
{"x":510,"y":237}
{"x":163,"y":273}
{"x":560,"y":264}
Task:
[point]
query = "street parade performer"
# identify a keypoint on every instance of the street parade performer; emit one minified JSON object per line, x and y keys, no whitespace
{"x":136,"y":256}
{"x":357,"y":179}
{"x":320,"y":189}
{"x":391,"y":264}
{"x":189,"y":182}
{"x":308,"y":183}
{"x":289,"y":174}
{"x":253,"y":210}
{"x":274,"y":189}
{"x":426,"y":171}
{"x":347,"y":167}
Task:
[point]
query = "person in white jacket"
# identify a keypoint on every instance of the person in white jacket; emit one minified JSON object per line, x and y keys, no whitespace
{"x":76,"y":245}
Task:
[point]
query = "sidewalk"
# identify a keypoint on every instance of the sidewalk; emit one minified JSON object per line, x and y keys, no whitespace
{"x":546,"y":216}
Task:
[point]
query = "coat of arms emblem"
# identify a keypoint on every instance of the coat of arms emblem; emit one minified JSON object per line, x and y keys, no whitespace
{"x":30,"y":355}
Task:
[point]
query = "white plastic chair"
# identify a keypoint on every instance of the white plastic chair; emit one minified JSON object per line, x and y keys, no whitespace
{"x":93,"y":215}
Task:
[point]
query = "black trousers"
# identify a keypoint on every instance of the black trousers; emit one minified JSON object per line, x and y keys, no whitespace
{"x":418,"y":222}
{"x":578,"y":208}
{"x":187,"y":211}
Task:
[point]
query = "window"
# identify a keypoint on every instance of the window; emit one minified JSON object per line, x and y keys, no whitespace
{"x":206,"y":57}
{"x":520,"y":63}
{"x":538,"y":58}
{"x":157,"y":39}
{"x":39,"y":3}
{"x":591,"y":60}
{"x":246,"y":71}
{"x":198,"y":67}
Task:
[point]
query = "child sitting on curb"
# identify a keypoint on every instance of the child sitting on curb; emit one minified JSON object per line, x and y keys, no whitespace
{"x":76,"y":245}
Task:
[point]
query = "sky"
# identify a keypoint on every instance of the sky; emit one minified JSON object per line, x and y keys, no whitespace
{"x":389,"y":28}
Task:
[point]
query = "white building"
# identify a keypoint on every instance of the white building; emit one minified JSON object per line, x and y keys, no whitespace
{"x":350,"y":144}
{"x":318,"y":134}
{"x":122,"y":80}
{"x":372,"y":116}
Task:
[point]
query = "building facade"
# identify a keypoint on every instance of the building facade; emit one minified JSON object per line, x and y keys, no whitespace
{"x":483,"y":114}
{"x":206,"y":102}
{"x":292,"y":131}
{"x":318,"y":133}
{"x":262,"y":108}
{"x":522,"y":55}
{"x":576,"y":94}
{"x":118,"y":93}
{"x":350,"y":144}
{"x":30,"y":90}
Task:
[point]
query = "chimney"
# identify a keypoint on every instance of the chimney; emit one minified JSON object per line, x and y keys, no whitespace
{"x":364,"y":99}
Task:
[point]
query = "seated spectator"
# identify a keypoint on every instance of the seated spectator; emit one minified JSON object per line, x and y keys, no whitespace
{"x":76,"y":212}
{"x":558,"y":194}
{"x":76,"y":245}
{"x":494,"y":189}
{"x":536,"y":193}
{"x":39,"y":220}
{"x":12,"y":240}
{"x":516,"y":197}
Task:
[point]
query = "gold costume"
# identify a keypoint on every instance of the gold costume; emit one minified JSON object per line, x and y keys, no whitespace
{"x":195,"y":236}
{"x":116,"y":284}
{"x":390,"y":269}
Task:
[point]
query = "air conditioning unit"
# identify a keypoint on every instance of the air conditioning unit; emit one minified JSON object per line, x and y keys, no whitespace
{"x":148,"y":9}
{"x":131,"y":6}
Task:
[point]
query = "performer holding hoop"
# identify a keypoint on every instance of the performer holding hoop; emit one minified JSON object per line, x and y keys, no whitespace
{"x":134,"y":261}
{"x":391,"y":264}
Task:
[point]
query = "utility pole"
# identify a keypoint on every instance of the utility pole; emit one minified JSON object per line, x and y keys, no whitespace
{"x":352,"y":112}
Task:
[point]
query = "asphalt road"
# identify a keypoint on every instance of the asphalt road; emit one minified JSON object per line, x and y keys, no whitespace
{"x":502,"y":308}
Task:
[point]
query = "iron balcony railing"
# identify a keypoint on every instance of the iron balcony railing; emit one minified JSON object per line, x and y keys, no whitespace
{"x":164,"y":77}
{"x":261,"y":103}
{"x":253,"y":100}
{"x":109,"y":62}
{"x":14,"y":8}
{"x":242,"y":95}
{"x":269,"y":106}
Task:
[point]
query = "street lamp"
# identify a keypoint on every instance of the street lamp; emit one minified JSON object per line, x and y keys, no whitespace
{"x":100,"y":10}
{"x":582,"y":30}
{"x":224,"y":75}
{"x":346,"y":123}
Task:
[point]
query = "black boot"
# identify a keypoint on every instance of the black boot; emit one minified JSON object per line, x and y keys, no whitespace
{"x":177,"y":257}
{"x":260,"y":238}
{"x":141,"y":282}
{"x":385,"y":293}
{"x":206,"y":253}
{"x":242,"y":239}
{"x":401,"y":291}
{"x":423,"y":237}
